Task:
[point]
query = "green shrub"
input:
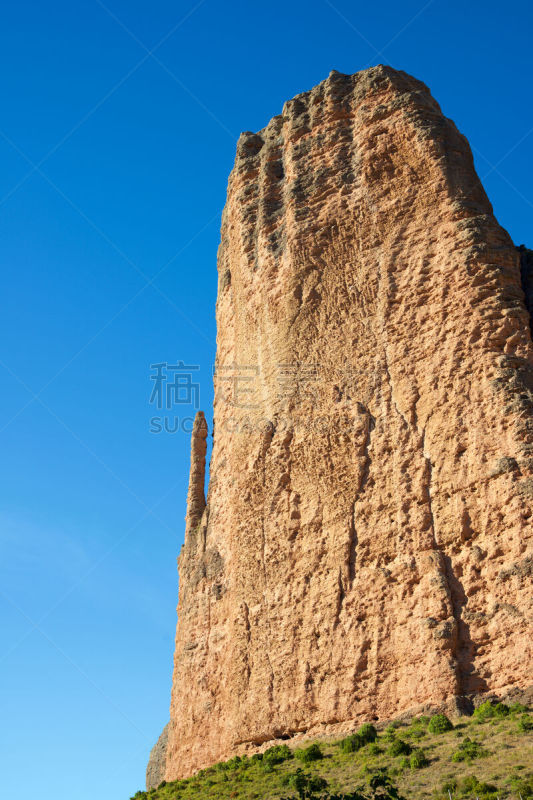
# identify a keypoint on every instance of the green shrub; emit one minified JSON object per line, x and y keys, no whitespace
{"x":277,"y":754}
{"x":501,"y":710}
{"x":489,"y":710}
{"x":525,"y":724}
{"x":468,"y":751}
{"x":447,"y":788}
{"x":367,"y":733}
{"x":418,"y":759}
{"x":351,"y":744}
{"x":222,"y":766}
{"x":518,"y":708}
{"x":309,"y":754}
{"x":373,"y":749}
{"x":522,"y":785}
{"x":469,"y":787}
{"x":390,"y":730}
{"x":381,"y":787}
{"x":439,"y":723}
{"x":305,"y":785}
{"x":399,"y":748}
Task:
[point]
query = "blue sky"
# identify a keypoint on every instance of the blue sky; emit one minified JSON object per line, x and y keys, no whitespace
{"x":117,"y":133}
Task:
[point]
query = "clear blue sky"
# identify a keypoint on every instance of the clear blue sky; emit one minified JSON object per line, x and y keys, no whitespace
{"x":117,"y":134}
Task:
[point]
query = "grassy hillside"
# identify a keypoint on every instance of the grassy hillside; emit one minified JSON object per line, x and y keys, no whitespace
{"x":486,"y":756}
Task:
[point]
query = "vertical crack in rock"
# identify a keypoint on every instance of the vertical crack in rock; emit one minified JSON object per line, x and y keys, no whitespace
{"x":450,"y":582}
{"x":261,"y":467}
{"x":362,"y":555}
{"x":270,"y":687}
{"x":369,"y":425}
{"x":352,"y":561}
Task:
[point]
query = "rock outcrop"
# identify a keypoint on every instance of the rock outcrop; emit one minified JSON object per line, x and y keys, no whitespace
{"x":155,"y":771}
{"x":366,"y":548}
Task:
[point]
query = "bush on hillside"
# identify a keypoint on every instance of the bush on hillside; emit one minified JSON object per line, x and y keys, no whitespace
{"x":525,"y":724}
{"x":489,"y":710}
{"x":399,"y":748}
{"x":418,"y":759}
{"x":420,"y":722}
{"x":390,"y":730}
{"x":468,"y":787}
{"x":368,"y":733}
{"x":522,"y":786}
{"x":382,"y":788}
{"x":309,"y":754}
{"x":306,"y":785}
{"x":417,"y":728}
{"x":277,"y":754}
{"x":351,"y":744}
{"x":439,"y":723}
{"x":472,"y":786}
{"x":469,"y":750}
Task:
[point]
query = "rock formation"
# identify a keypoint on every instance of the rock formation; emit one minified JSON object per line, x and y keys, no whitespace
{"x":155,"y":772}
{"x":365,"y":549}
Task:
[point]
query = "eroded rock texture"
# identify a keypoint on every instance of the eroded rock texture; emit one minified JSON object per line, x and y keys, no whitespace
{"x":366,"y":545}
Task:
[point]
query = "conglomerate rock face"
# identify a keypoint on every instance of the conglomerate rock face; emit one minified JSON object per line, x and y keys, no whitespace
{"x":365,"y":549}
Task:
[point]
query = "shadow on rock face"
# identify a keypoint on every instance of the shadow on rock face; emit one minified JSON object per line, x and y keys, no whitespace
{"x":155,"y":771}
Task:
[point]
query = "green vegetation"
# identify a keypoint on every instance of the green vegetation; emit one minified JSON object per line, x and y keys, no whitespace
{"x":367,"y":734}
{"x":521,"y":785}
{"x":487,"y":756}
{"x":418,"y":759}
{"x":467,"y":787}
{"x":469,"y":750}
{"x":399,"y":748}
{"x":439,"y":724}
{"x":390,"y":730}
{"x":304,"y":785}
{"x":275,"y":755}
{"x":418,"y":728}
{"x":490,"y":710}
{"x":309,"y":754}
{"x":351,"y":744}
{"x":525,"y":723}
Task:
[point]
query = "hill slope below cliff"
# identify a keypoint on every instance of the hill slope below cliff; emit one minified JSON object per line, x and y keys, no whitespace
{"x":487,"y":756}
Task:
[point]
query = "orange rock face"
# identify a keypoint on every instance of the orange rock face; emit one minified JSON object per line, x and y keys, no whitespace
{"x":366,"y":547}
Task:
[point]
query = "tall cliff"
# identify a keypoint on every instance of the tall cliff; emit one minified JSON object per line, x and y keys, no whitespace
{"x":365,"y":548}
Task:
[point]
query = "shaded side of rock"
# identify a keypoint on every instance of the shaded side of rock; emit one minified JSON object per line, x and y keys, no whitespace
{"x":155,"y":772}
{"x":526,"y":272}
